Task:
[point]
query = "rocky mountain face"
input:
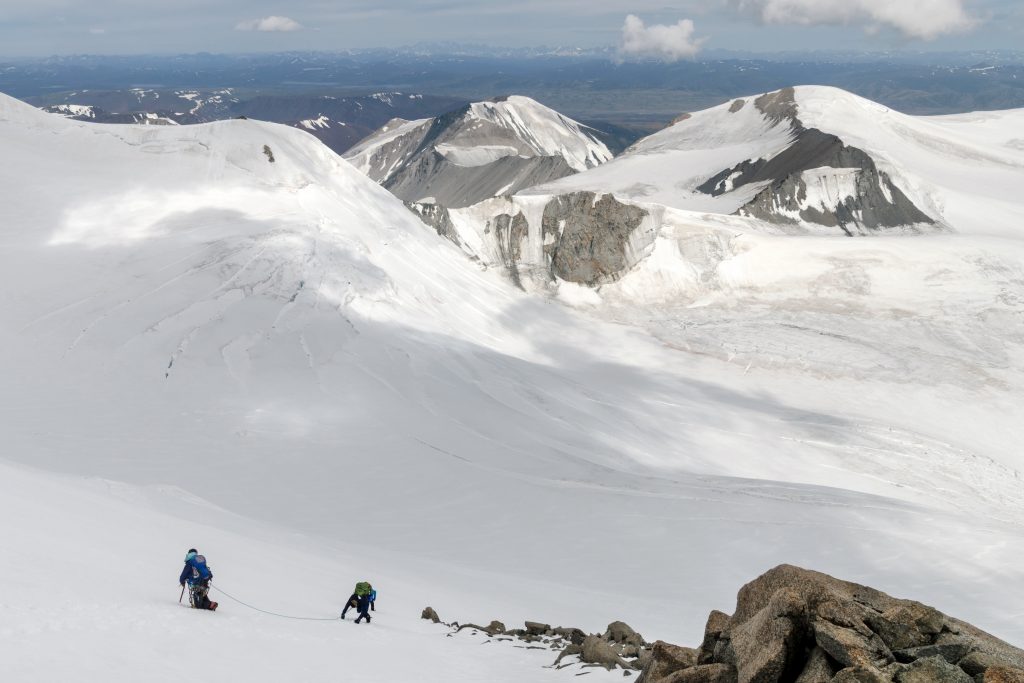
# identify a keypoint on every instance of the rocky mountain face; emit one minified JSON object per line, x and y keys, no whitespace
{"x":482,"y":150}
{"x":798,"y":161}
{"x":790,"y":625}
{"x":816,"y":179}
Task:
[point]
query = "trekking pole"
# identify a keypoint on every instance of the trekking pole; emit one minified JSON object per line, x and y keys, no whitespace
{"x":182,"y":594}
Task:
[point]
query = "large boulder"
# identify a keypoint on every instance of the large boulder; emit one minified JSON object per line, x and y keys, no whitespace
{"x":429,"y":614}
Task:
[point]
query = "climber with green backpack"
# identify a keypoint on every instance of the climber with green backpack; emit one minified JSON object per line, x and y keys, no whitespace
{"x":360,"y":600}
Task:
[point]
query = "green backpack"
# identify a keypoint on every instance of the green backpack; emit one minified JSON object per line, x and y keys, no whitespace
{"x":363,"y":589}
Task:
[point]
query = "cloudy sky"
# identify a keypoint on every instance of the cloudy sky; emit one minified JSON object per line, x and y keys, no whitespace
{"x":648,"y":28}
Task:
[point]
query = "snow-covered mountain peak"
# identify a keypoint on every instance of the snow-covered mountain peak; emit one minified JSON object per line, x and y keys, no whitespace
{"x":547,"y":132}
{"x":479,"y":151}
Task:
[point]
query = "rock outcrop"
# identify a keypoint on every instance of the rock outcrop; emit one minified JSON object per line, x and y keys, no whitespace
{"x":792,"y":624}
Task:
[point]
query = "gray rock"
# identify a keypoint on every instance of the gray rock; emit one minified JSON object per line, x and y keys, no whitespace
{"x":595,"y":650}
{"x":768,"y":645}
{"x":818,"y":668}
{"x":705,"y":673}
{"x":573,"y":635}
{"x":932,"y":670}
{"x":430,"y":614}
{"x":951,"y":652}
{"x":851,"y":648}
{"x":495,"y":628}
{"x":586,"y":238}
{"x":535,"y":628}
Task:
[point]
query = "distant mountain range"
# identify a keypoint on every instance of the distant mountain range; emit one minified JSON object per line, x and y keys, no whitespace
{"x":584,"y":84}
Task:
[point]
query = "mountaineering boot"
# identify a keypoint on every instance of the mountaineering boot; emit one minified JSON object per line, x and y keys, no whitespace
{"x":213,"y":606}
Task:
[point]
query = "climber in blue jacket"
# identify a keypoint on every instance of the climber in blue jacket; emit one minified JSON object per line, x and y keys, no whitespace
{"x":197,"y":575}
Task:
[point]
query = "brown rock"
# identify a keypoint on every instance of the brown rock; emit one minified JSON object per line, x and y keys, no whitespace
{"x":1003,"y":674}
{"x":977,"y":662}
{"x":495,"y":628}
{"x":665,"y":659}
{"x":430,"y":614}
{"x":716,"y":625}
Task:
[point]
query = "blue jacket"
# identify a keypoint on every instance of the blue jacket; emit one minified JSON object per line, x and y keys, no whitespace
{"x":373,"y":596}
{"x":195,"y":569}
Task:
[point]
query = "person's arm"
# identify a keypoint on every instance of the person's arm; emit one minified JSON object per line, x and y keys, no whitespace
{"x":185,"y":573}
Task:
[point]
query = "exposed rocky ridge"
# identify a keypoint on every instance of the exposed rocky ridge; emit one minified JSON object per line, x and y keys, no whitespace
{"x":792,"y":625}
{"x":854,"y":195}
{"x":798,"y":185}
{"x":582,"y":237}
{"x":479,"y":151}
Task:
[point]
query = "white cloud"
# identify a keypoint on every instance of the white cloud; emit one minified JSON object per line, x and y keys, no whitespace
{"x":97,"y":31}
{"x":669,"y":43}
{"x":273,"y":23}
{"x":921,"y":19}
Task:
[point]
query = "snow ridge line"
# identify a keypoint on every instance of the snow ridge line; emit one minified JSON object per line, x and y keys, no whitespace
{"x":273,"y":614}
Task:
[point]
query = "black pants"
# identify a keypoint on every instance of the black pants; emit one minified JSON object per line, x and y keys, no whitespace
{"x":200,"y":594}
{"x":363,"y":605}
{"x":353,"y":601}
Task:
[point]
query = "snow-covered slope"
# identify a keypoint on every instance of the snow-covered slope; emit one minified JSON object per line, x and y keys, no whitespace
{"x":230,"y":313}
{"x":479,"y":151}
{"x":824,"y":159}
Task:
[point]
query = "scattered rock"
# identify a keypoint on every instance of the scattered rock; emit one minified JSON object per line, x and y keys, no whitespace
{"x":430,"y":614}
{"x":535,"y":628}
{"x":620,"y":632}
{"x":495,"y":628}
{"x":595,"y":650}
{"x":269,"y":153}
{"x":573,"y":635}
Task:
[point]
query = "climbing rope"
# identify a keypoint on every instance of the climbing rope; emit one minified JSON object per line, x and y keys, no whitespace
{"x":273,"y":614}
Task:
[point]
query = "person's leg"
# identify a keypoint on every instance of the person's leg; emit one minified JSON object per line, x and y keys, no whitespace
{"x":351,"y":603}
